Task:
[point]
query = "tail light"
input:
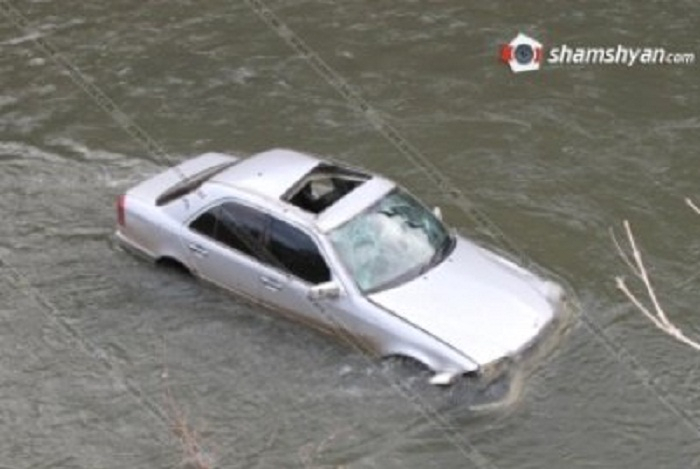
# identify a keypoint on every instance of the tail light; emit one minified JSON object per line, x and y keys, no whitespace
{"x":121,"y":218}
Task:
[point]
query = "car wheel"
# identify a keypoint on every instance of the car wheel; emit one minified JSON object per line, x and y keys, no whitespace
{"x":172,"y":264}
{"x":404,"y":368}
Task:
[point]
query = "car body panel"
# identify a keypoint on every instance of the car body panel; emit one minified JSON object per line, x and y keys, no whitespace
{"x":270,"y":173}
{"x":212,"y":261}
{"x":470,"y":310}
{"x":151,"y":188}
{"x":353,"y":203}
{"x":473,"y":303}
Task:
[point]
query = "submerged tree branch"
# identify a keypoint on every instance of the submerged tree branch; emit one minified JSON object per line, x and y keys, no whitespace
{"x":194,"y":456}
{"x":654,"y":312}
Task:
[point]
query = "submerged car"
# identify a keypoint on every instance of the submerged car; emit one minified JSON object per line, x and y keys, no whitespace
{"x":344,"y":250}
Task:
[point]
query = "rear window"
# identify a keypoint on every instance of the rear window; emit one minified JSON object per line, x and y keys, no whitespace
{"x":191,"y":184}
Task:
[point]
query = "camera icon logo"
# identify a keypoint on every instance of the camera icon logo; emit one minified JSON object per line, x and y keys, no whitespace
{"x":523,"y":54}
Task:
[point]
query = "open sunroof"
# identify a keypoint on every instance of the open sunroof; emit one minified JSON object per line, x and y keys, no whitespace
{"x":323,"y":186}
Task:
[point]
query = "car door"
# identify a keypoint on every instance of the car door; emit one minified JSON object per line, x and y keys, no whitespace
{"x":296,"y":264}
{"x":224,"y":243}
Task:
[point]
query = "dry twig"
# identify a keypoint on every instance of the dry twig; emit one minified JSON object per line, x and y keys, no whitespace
{"x":310,"y":452}
{"x":194,"y":456}
{"x":655,"y":313}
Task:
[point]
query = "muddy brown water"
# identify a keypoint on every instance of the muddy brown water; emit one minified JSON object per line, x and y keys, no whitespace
{"x":93,"y":340}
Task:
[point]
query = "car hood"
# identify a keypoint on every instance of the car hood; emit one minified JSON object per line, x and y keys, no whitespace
{"x":476,"y":301}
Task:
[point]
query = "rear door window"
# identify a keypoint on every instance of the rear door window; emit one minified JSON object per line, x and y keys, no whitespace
{"x":205,"y":224}
{"x":237,"y":226}
{"x":242,"y":227}
{"x":296,"y":252}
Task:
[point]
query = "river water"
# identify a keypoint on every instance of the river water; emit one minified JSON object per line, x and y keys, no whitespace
{"x":101,"y":353}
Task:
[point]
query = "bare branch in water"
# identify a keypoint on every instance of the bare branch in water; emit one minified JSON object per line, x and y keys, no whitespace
{"x":654,"y":312}
{"x":194,"y":456}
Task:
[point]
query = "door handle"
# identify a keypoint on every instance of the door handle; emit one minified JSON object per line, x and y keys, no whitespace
{"x":196,"y":248}
{"x":271,"y":283}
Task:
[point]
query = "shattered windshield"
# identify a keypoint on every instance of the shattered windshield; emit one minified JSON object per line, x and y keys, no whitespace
{"x":393,"y":241}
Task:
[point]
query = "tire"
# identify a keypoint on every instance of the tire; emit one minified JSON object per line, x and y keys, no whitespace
{"x":173,"y":265}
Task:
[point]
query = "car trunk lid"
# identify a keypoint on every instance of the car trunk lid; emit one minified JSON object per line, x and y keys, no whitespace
{"x":178,"y":180}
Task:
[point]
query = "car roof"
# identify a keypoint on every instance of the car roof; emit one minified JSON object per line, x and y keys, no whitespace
{"x":270,"y":173}
{"x":354,"y":203}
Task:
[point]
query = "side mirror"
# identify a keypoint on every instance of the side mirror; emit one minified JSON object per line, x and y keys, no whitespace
{"x":437,"y":212}
{"x":324,"y":291}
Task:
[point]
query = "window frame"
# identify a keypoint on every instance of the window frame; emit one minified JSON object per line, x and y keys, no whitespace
{"x":343,"y":265}
{"x":317,"y":245}
{"x":322,"y":172}
{"x":261,"y":241}
{"x":315,"y":238}
{"x":218,"y":205}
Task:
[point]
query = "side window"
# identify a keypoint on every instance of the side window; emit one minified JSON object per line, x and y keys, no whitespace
{"x":242,"y":228}
{"x":206,"y":223}
{"x":296,"y":252}
{"x":237,"y":226}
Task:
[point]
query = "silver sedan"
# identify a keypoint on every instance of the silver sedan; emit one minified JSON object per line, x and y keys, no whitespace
{"x":343,"y":250}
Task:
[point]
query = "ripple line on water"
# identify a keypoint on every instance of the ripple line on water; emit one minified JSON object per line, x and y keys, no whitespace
{"x":51,"y":312}
{"x":99,"y":97}
{"x":420,"y":161}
